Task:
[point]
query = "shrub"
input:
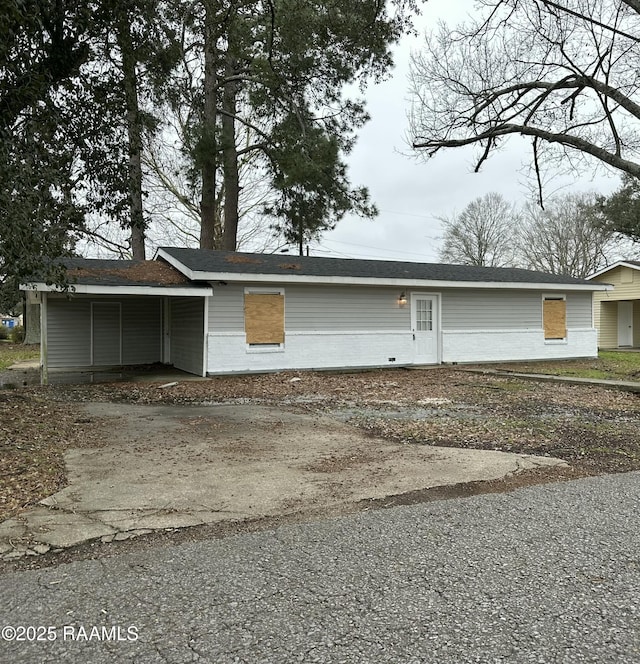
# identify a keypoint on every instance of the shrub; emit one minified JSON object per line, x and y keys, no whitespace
{"x":4,"y":332}
{"x":16,"y":334}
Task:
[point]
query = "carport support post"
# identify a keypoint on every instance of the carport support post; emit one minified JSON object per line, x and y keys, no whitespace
{"x":166,"y":330}
{"x":205,"y":338}
{"x":44,"y":356}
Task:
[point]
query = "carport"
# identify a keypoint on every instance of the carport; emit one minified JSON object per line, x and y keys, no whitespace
{"x":119,"y":314}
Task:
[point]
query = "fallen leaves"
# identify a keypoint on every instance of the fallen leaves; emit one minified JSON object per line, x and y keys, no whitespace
{"x":34,"y":433}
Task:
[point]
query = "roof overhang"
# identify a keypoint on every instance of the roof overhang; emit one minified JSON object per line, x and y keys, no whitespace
{"x":613,"y":267}
{"x":400,"y":283}
{"x":244,"y":277}
{"x":88,"y":289}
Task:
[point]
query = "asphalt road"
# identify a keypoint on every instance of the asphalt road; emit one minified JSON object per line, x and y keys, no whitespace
{"x":544,"y":574}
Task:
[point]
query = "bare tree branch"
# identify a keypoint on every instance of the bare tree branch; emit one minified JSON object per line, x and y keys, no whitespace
{"x":481,"y":234}
{"x":564,"y":74}
{"x":634,"y":4}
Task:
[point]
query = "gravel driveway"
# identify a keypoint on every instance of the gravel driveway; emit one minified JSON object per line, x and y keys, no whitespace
{"x":544,"y":574}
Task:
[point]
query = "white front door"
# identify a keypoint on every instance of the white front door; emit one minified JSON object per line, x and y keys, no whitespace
{"x":424,"y":326}
{"x":625,"y":323}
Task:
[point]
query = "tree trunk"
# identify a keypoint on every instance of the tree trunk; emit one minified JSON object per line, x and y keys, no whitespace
{"x":31,"y":320}
{"x":208,"y":145}
{"x":230,"y":156}
{"x":300,"y":238}
{"x":134,"y":132}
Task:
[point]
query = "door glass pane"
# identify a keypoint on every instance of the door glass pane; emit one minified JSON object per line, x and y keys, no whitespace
{"x":424,"y":316}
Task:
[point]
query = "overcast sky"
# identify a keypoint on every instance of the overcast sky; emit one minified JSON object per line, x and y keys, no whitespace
{"x":410,"y":194}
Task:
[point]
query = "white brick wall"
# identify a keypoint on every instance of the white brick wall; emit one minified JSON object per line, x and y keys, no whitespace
{"x":228,"y":352}
{"x":503,"y":345}
{"x":311,"y":350}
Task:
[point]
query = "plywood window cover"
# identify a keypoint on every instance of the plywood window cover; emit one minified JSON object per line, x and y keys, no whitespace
{"x":264,"y":318}
{"x":555,"y":318}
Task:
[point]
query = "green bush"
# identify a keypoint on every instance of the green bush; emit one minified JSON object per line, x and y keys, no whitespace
{"x":16,"y":334}
{"x":4,"y":332}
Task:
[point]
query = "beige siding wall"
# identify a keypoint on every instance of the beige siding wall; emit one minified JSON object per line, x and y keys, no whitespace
{"x":607,"y":323}
{"x":626,"y":282}
{"x":636,"y":323}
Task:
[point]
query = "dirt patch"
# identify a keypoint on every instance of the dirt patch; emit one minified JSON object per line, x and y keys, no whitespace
{"x":34,"y":434}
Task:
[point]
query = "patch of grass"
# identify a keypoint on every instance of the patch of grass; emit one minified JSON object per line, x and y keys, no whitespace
{"x":581,"y":372}
{"x":620,"y":362}
{"x":611,"y":365}
{"x":11,"y":353}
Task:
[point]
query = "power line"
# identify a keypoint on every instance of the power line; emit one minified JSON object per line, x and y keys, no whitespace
{"x":364,"y":246}
{"x":319,"y":250}
{"x":409,"y":214}
{"x":332,"y":253}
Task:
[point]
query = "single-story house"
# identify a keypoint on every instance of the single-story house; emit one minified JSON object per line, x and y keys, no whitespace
{"x":215,"y":312}
{"x":616,"y":312}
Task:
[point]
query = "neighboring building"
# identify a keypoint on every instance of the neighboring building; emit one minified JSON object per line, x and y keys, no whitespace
{"x":616,"y":312}
{"x":10,"y":321}
{"x":210,"y":312}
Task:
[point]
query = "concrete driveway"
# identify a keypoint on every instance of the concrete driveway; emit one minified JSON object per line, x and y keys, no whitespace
{"x":175,"y":466}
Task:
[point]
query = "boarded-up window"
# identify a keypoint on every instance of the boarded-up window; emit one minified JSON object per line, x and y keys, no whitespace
{"x":264,"y":318}
{"x":554,"y":314}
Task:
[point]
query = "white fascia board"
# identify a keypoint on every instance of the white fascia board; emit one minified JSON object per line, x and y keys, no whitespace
{"x":174,"y":262}
{"x":86,"y":289}
{"x":376,"y":281}
{"x":613,"y":267}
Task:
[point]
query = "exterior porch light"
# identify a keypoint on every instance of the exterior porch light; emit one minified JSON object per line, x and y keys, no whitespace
{"x":402,"y":300}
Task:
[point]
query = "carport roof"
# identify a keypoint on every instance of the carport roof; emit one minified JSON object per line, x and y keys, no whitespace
{"x":124,"y":273}
{"x":95,"y":275}
{"x":204,"y":264}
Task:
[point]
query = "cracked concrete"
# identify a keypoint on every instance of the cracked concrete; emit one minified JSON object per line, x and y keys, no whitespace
{"x":167,"y":467}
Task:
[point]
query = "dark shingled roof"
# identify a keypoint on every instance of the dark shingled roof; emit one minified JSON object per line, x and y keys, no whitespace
{"x":99,"y":272}
{"x":211,"y":261}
